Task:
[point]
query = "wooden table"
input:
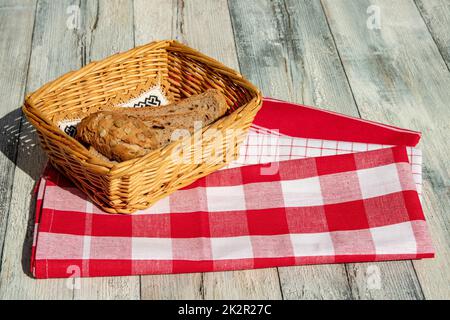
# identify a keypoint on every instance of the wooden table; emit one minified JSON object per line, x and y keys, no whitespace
{"x":381,"y":60}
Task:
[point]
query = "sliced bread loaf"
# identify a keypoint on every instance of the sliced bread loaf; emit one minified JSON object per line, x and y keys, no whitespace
{"x":132,"y":133}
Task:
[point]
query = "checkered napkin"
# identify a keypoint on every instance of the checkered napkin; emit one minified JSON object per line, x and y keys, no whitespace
{"x":309,"y":187}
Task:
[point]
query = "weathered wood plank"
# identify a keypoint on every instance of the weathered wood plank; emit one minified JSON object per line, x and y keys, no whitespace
{"x":159,"y":23}
{"x":107,"y":29}
{"x":307,"y":62}
{"x":398,"y":76}
{"x":172,"y":287}
{"x":315,"y":283}
{"x":190,"y":23}
{"x":318,"y":79}
{"x":212,"y":37}
{"x":15,"y":47}
{"x":215,"y":38}
{"x":287,"y":50}
{"x":312,"y":64}
{"x":436,"y":14}
{"x":153,"y":20}
{"x":54,"y":51}
{"x":384,"y":280}
{"x":261,"y":284}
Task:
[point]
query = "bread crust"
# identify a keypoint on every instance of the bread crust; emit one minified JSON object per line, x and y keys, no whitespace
{"x":117,"y":136}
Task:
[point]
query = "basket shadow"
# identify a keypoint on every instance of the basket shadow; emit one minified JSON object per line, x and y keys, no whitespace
{"x":18,"y":138}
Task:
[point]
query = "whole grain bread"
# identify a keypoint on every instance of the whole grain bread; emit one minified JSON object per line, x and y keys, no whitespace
{"x":211,"y":102}
{"x":130,"y":133}
{"x":117,"y":136}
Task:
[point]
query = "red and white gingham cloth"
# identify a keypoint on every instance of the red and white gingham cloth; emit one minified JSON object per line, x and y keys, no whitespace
{"x":337,"y":189}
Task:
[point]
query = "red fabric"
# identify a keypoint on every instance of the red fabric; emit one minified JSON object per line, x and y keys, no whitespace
{"x":323,"y":124}
{"x":361,"y":206}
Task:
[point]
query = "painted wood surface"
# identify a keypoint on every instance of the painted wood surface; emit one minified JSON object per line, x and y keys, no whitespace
{"x":15,"y":48}
{"x":398,"y":76}
{"x":436,"y":14}
{"x":53,"y":52}
{"x":191,"y":24}
{"x":302,"y":48}
{"x":314,"y":52}
{"x":107,"y":28}
{"x":274,"y":54}
{"x":162,"y":23}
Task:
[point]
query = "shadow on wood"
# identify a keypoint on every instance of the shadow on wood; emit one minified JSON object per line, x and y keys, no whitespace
{"x":18,"y":137}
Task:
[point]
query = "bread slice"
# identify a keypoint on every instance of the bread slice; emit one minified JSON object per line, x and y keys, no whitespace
{"x":188,"y":114}
{"x":211,"y":102}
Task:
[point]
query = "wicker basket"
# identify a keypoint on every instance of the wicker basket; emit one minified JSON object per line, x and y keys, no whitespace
{"x":136,"y":184}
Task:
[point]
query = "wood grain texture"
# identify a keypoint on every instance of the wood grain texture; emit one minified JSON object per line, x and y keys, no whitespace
{"x":107,"y":29}
{"x":214,"y":37}
{"x":309,"y":52}
{"x":153,"y":20}
{"x":436,"y":14}
{"x":317,"y":77}
{"x":54,"y":51}
{"x":160,"y":24}
{"x":286,"y":49}
{"x":191,"y":23}
{"x":398,"y":76}
{"x":206,"y":26}
{"x":172,"y":287}
{"x":384,"y":280}
{"x":261,"y":284}
{"x":319,"y":282}
{"x":15,"y":47}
